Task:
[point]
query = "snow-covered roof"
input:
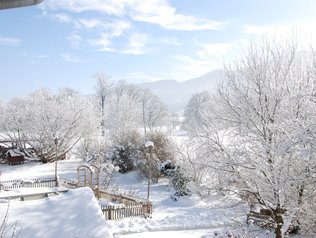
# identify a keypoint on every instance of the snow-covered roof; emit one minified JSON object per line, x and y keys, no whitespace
{"x":14,"y":152}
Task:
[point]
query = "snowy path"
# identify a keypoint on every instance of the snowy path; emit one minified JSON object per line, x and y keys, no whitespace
{"x":191,"y":216}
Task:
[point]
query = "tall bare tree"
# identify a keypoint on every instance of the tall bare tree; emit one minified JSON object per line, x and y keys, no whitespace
{"x":123,"y":112}
{"x":103,"y":88}
{"x":152,"y":109}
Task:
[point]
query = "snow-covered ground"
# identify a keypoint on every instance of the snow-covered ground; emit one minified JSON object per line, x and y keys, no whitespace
{"x":76,"y":213}
{"x":66,"y":169}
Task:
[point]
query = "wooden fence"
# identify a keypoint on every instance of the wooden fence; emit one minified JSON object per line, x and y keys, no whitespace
{"x":27,"y":183}
{"x":118,"y":198}
{"x":129,"y":207}
{"x":120,"y":211}
{"x":67,"y":183}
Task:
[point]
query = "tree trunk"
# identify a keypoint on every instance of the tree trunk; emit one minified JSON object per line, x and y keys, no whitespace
{"x":279,"y":223}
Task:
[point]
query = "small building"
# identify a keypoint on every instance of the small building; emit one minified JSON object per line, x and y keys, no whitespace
{"x":15,"y":156}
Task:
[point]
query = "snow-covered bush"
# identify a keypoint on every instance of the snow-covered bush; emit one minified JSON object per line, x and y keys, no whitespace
{"x":167,"y":167}
{"x":192,"y":160}
{"x":179,"y":182}
{"x":151,"y":158}
{"x":126,"y":151}
{"x":107,"y":171}
{"x":92,"y":148}
{"x":163,"y":147}
{"x":148,"y":164}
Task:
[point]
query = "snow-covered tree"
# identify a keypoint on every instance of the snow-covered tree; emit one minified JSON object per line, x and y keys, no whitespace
{"x":152,"y":109}
{"x":65,"y":116}
{"x":103,"y":89}
{"x":259,"y":130}
{"x":193,"y":165}
{"x":43,"y":116}
{"x":2,"y":110}
{"x":193,"y":110}
{"x":14,"y":121}
{"x":123,"y":112}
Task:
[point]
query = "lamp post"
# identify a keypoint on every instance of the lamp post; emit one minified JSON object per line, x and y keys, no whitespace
{"x":149,"y":145}
{"x":56,"y":158}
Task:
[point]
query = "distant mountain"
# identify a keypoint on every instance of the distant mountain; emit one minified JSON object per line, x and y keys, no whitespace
{"x":176,"y":94}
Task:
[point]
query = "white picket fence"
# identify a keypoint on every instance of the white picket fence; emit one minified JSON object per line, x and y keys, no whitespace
{"x":27,"y":183}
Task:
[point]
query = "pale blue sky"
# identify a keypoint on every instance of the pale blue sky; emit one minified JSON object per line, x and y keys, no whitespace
{"x":62,"y":43}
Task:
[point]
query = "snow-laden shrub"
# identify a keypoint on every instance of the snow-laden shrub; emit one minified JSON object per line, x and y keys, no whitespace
{"x":179,"y":182}
{"x":306,"y":217}
{"x":148,"y":164}
{"x":130,"y":153}
{"x":152,"y":158}
{"x":126,"y":151}
{"x":107,"y":174}
{"x":92,"y":148}
{"x":163,"y":147}
{"x":122,"y":158}
{"x":167,"y":167}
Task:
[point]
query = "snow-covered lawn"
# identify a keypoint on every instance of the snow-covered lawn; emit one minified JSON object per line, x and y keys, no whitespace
{"x":187,"y":213}
{"x":66,"y":170}
{"x":77,"y":214}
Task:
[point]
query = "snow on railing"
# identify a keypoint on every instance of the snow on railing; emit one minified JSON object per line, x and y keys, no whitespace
{"x":27,"y":183}
{"x":120,"y":211}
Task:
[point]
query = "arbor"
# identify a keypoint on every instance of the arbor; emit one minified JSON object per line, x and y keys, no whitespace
{"x":259,"y":131}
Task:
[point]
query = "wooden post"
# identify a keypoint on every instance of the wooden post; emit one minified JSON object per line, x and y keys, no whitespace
{"x":56,"y":176}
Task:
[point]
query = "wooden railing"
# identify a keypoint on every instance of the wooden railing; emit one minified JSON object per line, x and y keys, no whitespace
{"x":67,"y":183}
{"x":120,"y":211}
{"x":118,"y":198}
{"x":27,"y":183}
{"x":128,"y":207}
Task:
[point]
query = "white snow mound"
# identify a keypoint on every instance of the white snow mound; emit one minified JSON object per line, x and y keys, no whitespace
{"x":75,"y":213}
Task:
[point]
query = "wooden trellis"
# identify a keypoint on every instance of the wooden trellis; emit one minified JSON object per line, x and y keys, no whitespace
{"x":89,"y":176}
